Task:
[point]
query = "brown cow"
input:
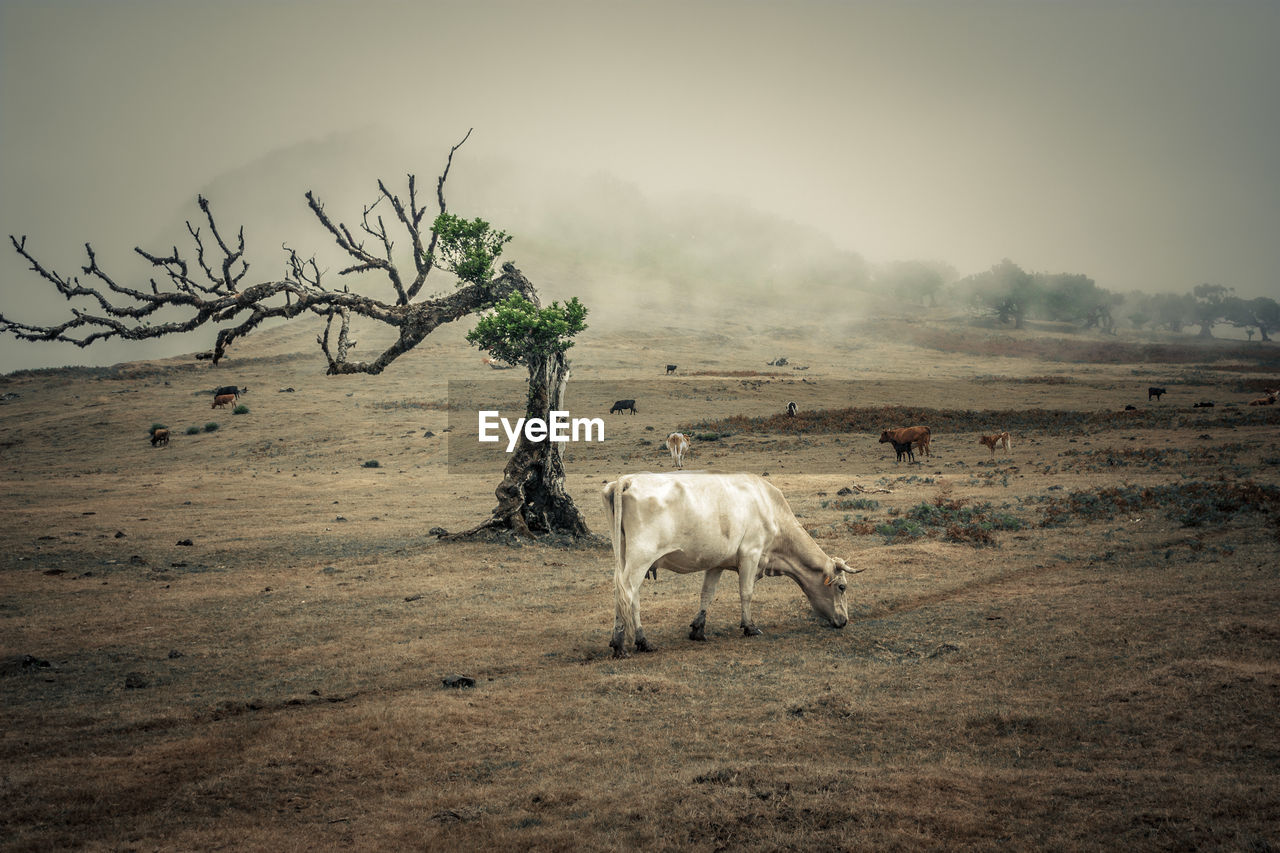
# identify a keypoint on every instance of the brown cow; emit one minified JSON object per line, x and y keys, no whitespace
{"x":1268,"y":400}
{"x":992,"y":441}
{"x":160,"y":436}
{"x":222,"y":400}
{"x":917,"y":435}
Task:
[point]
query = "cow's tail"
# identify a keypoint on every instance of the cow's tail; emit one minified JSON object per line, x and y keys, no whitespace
{"x":1008,"y":441}
{"x":612,"y":495}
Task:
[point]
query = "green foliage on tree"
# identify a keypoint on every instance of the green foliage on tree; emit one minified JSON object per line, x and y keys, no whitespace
{"x":1172,"y":311}
{"x":518,"y":332}
{"x":467,"y":248}
{"x":1261,"y":313}
{"x":1210,"y":306}
{"x":1139,"y":319}
{"x":918,"y":280}
{"x":1012,"y":295}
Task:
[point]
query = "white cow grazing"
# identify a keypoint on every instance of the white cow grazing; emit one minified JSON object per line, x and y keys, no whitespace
{"x":678,"y":444}
{"x":699,"y":521}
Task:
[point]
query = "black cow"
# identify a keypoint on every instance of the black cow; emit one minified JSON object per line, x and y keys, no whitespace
{"x":1154,"y":392}
{"x":1203,"y":404}
{"x":671,"y":368}
{"x":230,"y":389}
{"x":903,"y":449}
{"x":791,"y":410}
{"x":623,"y":405}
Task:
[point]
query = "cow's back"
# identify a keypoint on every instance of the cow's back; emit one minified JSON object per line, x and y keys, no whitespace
{"x":707,"y":517}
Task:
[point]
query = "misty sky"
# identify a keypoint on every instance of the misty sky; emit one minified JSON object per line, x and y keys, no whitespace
{"x":1134,"y":142}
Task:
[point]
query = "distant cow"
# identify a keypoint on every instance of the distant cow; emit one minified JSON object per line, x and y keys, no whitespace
{"x":993,"y":441}
{"x":671,"y":368}
{"x":230,"y":389}
{"x":1203,"y":404}
{"x":222,"y":400}
{"x":916,"y":435}
{"x":678,"y":444}
{"x":1154,"y":392}
{"x":791,"y":409}
{"x":1268,"y":400}
{"x":1130,"y":407}
{"x":623,"y":405}
{"x":160,"y":436}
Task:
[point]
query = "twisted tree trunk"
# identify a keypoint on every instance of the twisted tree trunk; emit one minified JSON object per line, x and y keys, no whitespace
{"x":532,"y":500}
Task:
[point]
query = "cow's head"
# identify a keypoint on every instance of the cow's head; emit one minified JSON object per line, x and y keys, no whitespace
{"x":827,"y":597}
{"x":884,"y":436}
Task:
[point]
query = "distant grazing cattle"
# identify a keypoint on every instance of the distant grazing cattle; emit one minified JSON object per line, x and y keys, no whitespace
{"x":671,"y":368}
{"x":623,"y":405}
{"x":1268,"y":400}
{"x":916,"y":435}
{"x":992,"y":441}
{"x":1130,"y":408}
{"x":1203,"y":404}
{"x":160,"y":436}
{"x":230,"y":389}
{"x":699,"y":521}
{"x":678,"y":444}
{"x":222,"y":400}
{"x":1154,"y":392}
{"x":791,"y":410}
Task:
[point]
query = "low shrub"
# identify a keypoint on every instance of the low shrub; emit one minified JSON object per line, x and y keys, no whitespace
{"x":900,"y":530}
{"x":952,"y":520}
{"x":193,"y":430}
{"x":241,"y":409}
{"x":852,"y":503}
{"x":372,"y":463}
{"x":211,"y":426}
{"x":1192,"y":504}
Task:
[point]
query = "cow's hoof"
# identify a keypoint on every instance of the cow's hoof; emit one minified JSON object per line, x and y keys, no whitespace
{"x":751,"y":631}
{"x":643,"y":645}
{"x":620,"y":653}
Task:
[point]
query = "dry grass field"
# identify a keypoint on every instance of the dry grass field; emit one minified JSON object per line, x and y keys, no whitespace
{"x":1074,"y":645}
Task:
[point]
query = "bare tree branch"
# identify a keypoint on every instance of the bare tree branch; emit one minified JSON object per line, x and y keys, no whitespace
{"x":211,"y":291}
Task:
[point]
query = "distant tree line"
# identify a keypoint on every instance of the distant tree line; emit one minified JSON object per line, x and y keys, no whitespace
{"x":1011,"y":295}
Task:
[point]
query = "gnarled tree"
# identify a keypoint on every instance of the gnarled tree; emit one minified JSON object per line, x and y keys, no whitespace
{"x":532,"y":499}
{"x":210,"y":290}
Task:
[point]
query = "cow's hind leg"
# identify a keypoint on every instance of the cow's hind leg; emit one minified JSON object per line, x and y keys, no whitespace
{"x":697,"y":626}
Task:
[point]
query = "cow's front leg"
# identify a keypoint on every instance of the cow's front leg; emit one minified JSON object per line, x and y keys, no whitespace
{"x":746,"y":589}
{"x":697,"y":626}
